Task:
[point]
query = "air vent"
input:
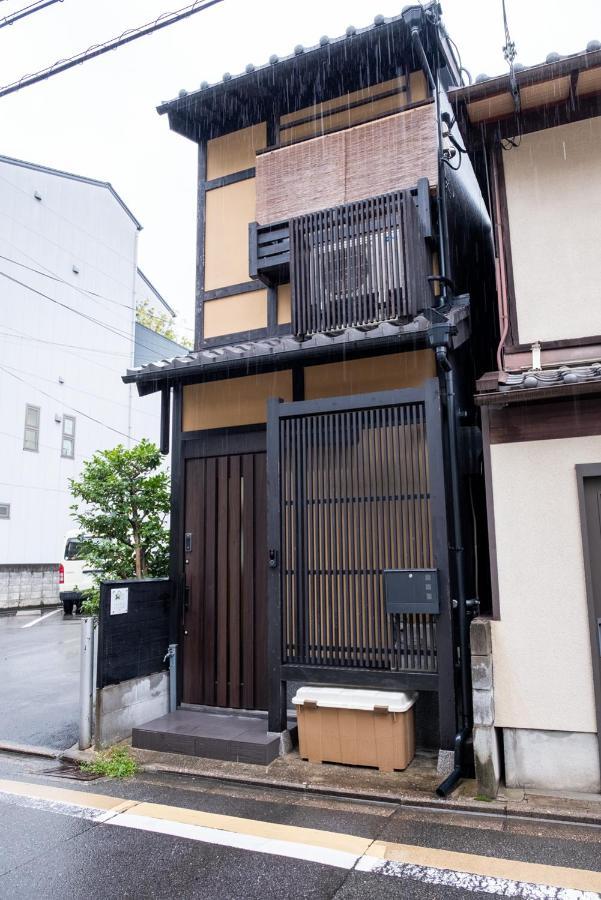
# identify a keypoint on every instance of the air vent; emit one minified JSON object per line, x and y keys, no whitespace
{"x":4,"y":510}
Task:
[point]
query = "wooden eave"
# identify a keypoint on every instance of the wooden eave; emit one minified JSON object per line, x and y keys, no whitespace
{"x":575,"y":78}
{"x":353,"y":61}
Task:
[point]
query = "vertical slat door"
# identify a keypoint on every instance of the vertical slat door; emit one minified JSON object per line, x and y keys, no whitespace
{"x":356,"y":500}
{"x":225,"y":619}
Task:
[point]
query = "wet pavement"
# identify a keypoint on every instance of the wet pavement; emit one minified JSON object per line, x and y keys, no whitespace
{"x":51,"y":852}
{"x":39,"y":679}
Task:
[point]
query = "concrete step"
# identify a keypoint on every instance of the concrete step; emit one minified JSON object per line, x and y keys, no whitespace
{"x":218,"y":734}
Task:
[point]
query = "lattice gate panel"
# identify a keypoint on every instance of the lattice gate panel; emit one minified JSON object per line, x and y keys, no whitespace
{"x":355,"y":500}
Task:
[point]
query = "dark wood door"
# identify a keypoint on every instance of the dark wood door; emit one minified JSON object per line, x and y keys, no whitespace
{"x":591,"y":522}
{"x":225,"y":548}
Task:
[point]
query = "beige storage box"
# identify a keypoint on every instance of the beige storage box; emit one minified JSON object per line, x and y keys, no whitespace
{"x":356,"y":727}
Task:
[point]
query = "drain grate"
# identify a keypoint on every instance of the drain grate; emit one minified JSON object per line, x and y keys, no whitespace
{"x":74,"y":772}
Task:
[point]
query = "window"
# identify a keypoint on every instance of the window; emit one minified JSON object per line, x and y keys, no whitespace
{"x":72,"y":549}
{"x":4,"y":510}
{"x":68,"y":441}
{"x":31,"y":438}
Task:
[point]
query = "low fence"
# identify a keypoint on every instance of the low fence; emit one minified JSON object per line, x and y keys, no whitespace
{"x":133,"y":638}
{"x":28,"y":585}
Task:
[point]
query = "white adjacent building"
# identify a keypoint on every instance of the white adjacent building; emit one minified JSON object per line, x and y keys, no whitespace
{"x":69,"y":283}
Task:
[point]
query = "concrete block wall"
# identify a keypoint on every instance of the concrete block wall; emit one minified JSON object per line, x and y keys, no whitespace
{"x":28,"y":585}
{"x":121,"y":707}
{"x":487,"y":753}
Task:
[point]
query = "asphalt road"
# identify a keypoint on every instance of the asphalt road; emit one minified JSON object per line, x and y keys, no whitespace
{"x":39,"y":679}
{"x":50,"y":848}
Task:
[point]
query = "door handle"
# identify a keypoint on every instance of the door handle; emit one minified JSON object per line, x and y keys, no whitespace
{"x":599,"y":634}
{"x":188,"y":542}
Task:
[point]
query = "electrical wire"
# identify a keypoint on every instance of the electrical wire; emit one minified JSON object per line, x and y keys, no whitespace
{"x":131,"y":34}
{"x":21,"y":336}
{"x":68,"y":405}
{"x":77,"y":390}
{"x":110,"y":328}
{"x":27,"y":11}
{"x":510,"y":53}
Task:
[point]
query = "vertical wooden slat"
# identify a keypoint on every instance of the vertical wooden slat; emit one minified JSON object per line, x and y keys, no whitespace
{"x":259,"y":501}
{"x":210,"y":620}
{"x":234,"y":566}
{"x":248,"y":581}
{"x":222,"y":579}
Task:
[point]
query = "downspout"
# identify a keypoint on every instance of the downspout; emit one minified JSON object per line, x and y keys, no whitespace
{"x":500,"y":272}
{"x":464,"y":605}
{"x":446,"y":367}
{"x":443,"y":237}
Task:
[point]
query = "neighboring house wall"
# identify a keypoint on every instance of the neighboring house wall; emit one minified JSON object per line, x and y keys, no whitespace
{"x":553,"y":185}
{"x":66,"y":336}
{"x":543,"y":687}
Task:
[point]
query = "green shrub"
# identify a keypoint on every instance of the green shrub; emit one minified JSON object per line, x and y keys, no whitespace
{"x":116,"y":762}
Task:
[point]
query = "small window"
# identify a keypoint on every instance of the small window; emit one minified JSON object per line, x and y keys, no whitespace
{"x":68,"y":441}
{"x":31,"y":439}
{"x":72,"y":549}
{"x":4,"y":510}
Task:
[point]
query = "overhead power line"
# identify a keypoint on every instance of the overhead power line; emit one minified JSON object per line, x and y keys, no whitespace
{"x":68,"y":405}
{"x":112,"y":329}
{"x":27,"y":11}
{"x":92,"y":52}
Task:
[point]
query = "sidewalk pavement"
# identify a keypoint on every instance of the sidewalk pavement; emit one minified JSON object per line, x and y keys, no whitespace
{"x":414,"y":787}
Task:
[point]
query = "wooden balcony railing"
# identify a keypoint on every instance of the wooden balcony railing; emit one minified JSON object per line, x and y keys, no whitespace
{"x":358,"y":264}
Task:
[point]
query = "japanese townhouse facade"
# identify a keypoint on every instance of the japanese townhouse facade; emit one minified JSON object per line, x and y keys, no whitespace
{"x":539,"y":150}
{"x":317,"y":438}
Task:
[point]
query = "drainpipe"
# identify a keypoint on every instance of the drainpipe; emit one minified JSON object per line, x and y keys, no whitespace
{"x":464,"y":605}
{"x":500,"y":271}
{"x":443,"y":236}
{"x":445,"y":366}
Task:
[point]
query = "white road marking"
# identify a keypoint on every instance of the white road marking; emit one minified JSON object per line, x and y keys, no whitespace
{"x":328,"y":857}
{"x":113,"y":811}
{"x":466,"y":881}
{"x":41,"y":618}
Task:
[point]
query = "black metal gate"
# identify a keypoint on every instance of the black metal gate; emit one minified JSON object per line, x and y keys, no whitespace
{"x":356,"y":488}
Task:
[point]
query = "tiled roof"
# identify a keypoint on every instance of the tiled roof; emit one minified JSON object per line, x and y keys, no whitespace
{"x":275,"y":61}
{"x":273,"y":350}
{"x":544,"y":378}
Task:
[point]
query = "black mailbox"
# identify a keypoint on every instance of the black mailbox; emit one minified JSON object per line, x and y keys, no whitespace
{"x":411,"y":591}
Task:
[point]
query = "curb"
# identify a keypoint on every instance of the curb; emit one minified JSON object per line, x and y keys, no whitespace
{"x":29,"y":750}
{"x":502,"y":810}
{"x":71,"y":754}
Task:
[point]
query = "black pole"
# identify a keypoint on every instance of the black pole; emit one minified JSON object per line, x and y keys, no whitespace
{"x":458,"y":552}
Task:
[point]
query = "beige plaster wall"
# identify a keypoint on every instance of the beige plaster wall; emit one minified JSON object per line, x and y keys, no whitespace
{"x":284,"y":304}
{"x":229,"y":315}
{"x":368,"y":374}
{"x":228,"y":211}
{"x":553,"y":181}
{"x":235,"y":401}
{"x":541,"y":645}
{"x":236,"y":151}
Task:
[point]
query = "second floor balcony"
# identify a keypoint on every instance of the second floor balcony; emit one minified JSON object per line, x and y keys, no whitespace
{"x":353,"y":265}
{"x":345,"y":219}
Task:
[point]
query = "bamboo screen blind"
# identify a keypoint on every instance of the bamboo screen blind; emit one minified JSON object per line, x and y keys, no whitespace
{"x":375,"y":158}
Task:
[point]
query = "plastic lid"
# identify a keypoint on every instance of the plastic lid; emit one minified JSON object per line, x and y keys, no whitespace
{"x":355,"y":698}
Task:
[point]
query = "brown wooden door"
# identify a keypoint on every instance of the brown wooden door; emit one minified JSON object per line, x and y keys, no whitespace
{"x":591,"y":522}
{"x":224,"y":623}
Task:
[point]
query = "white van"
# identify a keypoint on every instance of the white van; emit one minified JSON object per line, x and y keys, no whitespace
{"x":74,"y":574}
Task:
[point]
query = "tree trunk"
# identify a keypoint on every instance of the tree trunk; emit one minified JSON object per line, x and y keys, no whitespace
{"x":138,"y":554}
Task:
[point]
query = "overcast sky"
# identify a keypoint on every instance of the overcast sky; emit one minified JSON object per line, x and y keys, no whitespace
{"x":99,"y":119}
